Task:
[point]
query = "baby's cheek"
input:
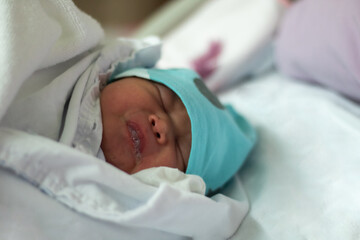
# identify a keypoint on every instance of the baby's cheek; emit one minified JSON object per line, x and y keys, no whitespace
{"x":110,"y":157}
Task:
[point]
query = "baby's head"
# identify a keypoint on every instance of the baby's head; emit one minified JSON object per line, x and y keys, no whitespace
{"x":154,"y":117}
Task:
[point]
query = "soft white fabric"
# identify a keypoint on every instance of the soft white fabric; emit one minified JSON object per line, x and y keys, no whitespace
{"x":173,"y":177}
{"x":303,"y":177}
{"x":50,"y":133}
{"x":37,"y":34}
{"x":98,"y":190}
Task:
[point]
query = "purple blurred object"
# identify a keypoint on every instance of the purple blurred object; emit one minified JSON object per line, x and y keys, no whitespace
{"x":207,"y":63}
{"x":319,"y":41}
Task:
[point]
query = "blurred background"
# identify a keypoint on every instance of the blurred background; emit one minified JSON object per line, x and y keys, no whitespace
{"x":120,"y":17}
{"x":127,"y":18}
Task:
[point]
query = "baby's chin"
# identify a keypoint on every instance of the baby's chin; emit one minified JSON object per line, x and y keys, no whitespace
{"x":122,"y":160}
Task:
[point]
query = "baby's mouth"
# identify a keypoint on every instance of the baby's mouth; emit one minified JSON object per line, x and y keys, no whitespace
{"x":136,"y":138}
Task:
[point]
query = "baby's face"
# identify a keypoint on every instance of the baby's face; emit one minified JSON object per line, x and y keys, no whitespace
{"x":145,"y":124}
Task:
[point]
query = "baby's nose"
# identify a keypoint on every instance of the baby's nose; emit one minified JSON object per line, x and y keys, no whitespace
{"x":160,"y":128}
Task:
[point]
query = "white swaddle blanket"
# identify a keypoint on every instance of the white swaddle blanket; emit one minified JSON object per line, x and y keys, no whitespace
{"x":50,"y":134}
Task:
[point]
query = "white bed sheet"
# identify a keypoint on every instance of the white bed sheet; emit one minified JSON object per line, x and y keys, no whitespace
{"x":302,"y":178}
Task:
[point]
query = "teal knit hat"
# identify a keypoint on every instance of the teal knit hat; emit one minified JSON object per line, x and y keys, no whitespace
{"x":221,"y":138}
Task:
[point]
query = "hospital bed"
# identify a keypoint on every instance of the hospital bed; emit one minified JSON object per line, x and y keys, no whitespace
{"x":300,"y":182}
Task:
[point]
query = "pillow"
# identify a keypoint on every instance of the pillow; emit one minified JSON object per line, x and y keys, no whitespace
{"x":319,"y":42}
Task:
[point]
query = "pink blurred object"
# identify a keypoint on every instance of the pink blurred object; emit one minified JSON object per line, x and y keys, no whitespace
{"x":286,"y":2}
{"x":319,"y":42}
{"x":206,"y":64}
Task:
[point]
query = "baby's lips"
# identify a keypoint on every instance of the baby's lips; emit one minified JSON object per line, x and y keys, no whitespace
{"x":136,"y":137}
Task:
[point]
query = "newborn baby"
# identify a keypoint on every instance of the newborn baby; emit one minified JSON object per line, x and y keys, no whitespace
{"x":145,"y":124}
{"x":154,"y":117}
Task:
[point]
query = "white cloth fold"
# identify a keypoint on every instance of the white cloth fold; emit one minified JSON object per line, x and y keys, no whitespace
{"x":37,"y":34}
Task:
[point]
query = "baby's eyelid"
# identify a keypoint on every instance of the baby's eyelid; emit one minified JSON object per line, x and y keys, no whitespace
{"x":160,"y":96}
{"x":165,"y":110}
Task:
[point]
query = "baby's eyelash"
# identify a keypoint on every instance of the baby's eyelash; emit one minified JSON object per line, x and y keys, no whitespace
{"x":161,"y":99}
